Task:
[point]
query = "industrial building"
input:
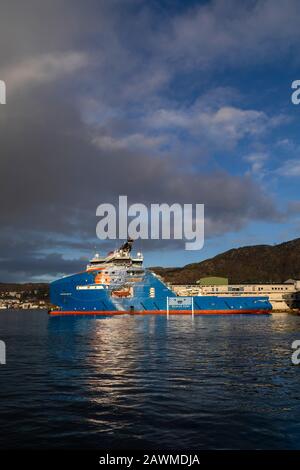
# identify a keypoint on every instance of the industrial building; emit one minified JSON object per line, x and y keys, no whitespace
{"x":283,"y":297}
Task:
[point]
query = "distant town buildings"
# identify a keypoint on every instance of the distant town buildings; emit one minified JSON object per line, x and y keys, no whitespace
{"x":24,"y":299}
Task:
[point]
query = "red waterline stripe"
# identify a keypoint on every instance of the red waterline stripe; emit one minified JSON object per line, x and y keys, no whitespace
{"x":160,"y":312}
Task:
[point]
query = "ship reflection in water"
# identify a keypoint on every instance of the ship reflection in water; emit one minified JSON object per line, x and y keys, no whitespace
{"x":149,"y":382}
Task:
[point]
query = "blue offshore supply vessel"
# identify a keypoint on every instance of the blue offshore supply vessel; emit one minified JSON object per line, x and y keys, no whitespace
{"x":118,"y":284}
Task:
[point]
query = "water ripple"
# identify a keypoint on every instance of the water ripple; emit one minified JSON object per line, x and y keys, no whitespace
{"x":135,"y":382}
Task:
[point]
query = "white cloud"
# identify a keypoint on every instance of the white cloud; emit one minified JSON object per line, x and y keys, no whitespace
{"x":290,"y":168}
{"x":231,"y":32}
{"x":43,"y":68}
{"x":133,"y":141}
{"x":225,"y":125}
{"x":257,"y":161}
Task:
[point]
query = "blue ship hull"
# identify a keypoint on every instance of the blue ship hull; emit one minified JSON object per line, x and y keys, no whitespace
{"x":83,"y":293}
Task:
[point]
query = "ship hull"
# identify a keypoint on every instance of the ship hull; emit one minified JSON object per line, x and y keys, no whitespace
{"x":142,"y":293}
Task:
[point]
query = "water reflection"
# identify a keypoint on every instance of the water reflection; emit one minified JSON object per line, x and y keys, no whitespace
{"x":127,"y":382}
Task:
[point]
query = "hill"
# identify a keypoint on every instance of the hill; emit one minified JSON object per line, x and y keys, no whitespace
{"x":249,"y":264}
{"x":26,"y":287}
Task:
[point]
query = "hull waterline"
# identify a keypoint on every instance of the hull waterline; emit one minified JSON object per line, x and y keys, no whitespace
{"x":159,"y":312}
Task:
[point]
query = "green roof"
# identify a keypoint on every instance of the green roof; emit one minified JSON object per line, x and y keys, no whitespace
{"x":213,"y":280}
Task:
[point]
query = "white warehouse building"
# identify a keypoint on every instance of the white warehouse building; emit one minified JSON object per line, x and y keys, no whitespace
{"x":283,"y":297}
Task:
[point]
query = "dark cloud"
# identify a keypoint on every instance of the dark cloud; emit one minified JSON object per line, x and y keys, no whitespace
{"x":81,"y":82}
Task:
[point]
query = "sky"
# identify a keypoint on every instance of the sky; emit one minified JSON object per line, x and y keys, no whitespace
{"x":163,"y":101}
